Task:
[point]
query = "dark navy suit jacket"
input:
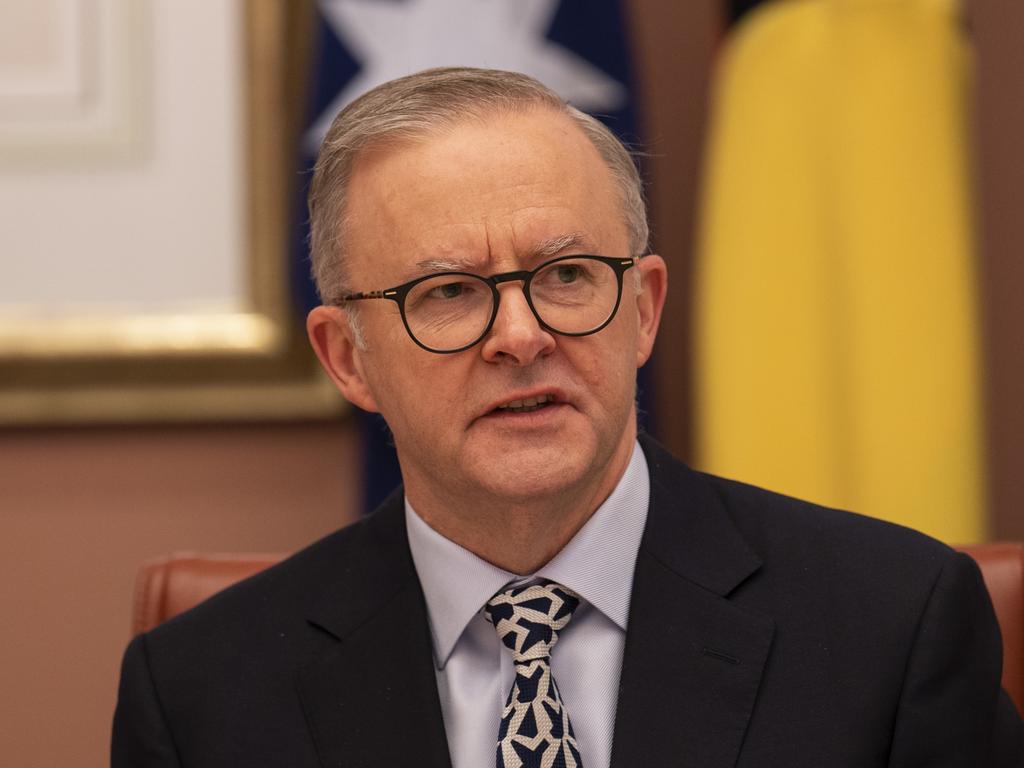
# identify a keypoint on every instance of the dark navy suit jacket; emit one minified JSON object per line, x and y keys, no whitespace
{"x":763,"y":631}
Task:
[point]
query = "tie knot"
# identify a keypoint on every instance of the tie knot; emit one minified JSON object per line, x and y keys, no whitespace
{"x":529,"y":618}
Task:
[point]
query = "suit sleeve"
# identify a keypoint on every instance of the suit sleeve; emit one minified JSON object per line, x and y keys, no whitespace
{"x":141,"y":738}
{"x":952,"y":710}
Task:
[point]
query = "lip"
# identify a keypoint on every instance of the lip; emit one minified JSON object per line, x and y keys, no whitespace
{"x":492,"y":410}
{"x":532,"y":422}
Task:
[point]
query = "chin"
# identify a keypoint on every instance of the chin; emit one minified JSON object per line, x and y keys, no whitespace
{"x":532,"y":471}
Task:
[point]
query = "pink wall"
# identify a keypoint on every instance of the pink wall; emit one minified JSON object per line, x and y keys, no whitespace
{"x":81,"y":509}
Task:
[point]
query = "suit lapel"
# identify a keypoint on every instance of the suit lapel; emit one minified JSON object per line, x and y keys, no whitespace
{"x":693,"y":659}
{"x":371,"y":699}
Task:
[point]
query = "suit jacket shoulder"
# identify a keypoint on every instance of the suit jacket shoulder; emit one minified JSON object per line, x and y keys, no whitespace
{"x":839,"y":639}
{"x":305,"y":664}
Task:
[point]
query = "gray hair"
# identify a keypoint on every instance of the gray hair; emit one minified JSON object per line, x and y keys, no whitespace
{"x":418,"y":105}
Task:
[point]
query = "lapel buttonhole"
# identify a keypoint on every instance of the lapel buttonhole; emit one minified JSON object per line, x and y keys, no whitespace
{"x":719,"y":655}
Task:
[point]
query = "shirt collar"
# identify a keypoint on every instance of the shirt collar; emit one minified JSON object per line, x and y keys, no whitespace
{"x":598,"y":562}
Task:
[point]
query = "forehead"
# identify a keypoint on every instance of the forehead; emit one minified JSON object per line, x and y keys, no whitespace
{"x":488,"y":193}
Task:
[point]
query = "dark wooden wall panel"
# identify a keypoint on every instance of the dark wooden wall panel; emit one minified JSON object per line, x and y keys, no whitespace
{"x":998,"y":28}
{"x":674,"y":44}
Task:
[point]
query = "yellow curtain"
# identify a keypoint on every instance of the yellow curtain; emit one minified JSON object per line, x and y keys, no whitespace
{"x":837,"y":339}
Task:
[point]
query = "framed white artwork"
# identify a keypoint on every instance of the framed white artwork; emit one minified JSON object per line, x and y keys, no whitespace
{"x":147,"y":183}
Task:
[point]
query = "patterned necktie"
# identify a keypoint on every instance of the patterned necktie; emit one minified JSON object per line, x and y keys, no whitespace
{"x":535,"y":730}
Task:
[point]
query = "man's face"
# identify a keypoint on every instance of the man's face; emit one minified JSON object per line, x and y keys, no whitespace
{"x":488,"y":197}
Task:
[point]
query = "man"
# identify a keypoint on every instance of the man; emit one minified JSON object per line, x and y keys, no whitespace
{"x":480,"y":250}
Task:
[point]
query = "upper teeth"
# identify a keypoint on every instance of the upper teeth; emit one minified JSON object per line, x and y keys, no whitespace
{"x":528,"y":402}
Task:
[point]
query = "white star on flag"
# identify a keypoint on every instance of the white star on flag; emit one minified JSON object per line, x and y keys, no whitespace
{"x":391,"y":39}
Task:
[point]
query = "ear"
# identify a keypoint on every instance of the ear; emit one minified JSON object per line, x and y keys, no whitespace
{"x":649,"y":303}
{"x":330,"y":334}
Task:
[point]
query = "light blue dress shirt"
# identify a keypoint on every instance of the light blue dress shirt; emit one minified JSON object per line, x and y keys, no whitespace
{"x":475,"y":672}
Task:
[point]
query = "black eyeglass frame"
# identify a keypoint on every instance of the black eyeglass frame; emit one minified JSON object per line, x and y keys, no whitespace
{"x":398,"y":293}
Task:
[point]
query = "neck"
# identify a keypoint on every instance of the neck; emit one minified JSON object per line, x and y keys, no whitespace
{"x":518,"y":535}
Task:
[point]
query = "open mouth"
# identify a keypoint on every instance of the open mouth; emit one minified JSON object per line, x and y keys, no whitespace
{"x":527,"y":405}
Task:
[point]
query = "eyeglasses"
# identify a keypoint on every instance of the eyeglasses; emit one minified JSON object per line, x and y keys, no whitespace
{"x":449,"y":312}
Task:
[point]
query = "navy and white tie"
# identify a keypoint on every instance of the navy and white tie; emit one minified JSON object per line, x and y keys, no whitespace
{"x":535,"y":731}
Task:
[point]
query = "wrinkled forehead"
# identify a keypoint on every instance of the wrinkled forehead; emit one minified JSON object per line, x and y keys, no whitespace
{"x":484,"y":189}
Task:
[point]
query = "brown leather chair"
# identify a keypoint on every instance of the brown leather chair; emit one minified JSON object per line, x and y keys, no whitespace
{"x":170,"y":585}
{"x":1002,"y":565}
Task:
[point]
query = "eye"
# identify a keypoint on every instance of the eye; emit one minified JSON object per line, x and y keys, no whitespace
{"x":568,"y":273}
{"x":450,"y":290}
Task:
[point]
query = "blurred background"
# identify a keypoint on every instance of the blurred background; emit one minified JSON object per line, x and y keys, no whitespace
{"x":835,"y":184}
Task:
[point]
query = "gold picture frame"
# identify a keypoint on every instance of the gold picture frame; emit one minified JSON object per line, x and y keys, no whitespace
{"x":253,"y":364}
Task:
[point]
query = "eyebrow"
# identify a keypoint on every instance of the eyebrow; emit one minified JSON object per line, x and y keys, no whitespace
{"x":446,"y":265}
{"x":546,"y":249}
{"x":551,"y":247}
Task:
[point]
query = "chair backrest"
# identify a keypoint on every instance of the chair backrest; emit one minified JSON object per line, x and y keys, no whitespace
{"x":1002,"y":566}
{"x":170,"y":585}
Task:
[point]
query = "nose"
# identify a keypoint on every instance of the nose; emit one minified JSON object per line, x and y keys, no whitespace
{"x":516,"y":336}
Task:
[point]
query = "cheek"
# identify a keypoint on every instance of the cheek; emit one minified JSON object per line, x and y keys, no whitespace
{"x":620,"y":371}
{"x":418,"y":397}
{"x":620,"y":344}
{"x":608,"y":373}
{"x":390,"y":384}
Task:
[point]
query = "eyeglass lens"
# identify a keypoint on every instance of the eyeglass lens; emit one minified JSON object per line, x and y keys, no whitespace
{"x":572,"y":296}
